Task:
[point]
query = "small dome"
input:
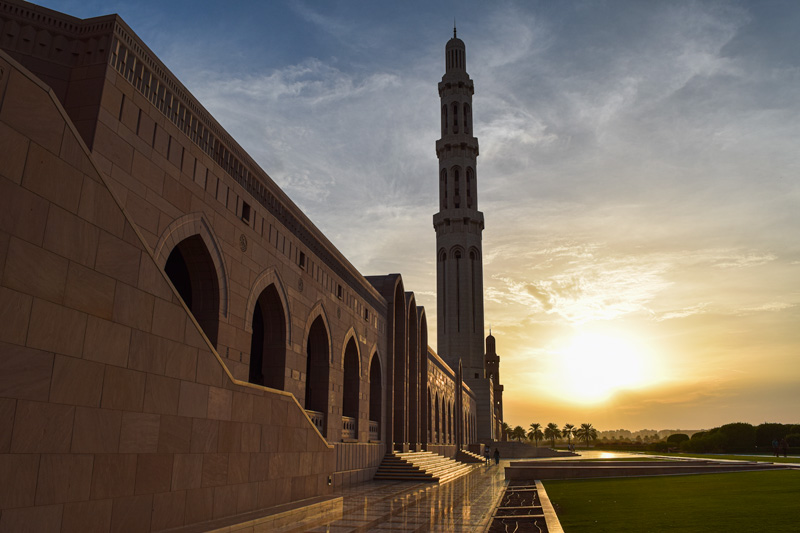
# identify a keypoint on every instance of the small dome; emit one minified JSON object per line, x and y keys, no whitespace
{"x":455,"y":42}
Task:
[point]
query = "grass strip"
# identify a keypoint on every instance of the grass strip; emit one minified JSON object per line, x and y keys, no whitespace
{"x":758,"y":458}
{"x":742,"y":501}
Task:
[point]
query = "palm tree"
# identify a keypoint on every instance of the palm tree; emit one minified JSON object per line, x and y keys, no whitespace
{"x":506,"y":429}
{"x":518,"y":433}
{"x":552,"y":432}
{"x":535,"y":434}
{"x":586,"y":433}
{"x":568,"y":430}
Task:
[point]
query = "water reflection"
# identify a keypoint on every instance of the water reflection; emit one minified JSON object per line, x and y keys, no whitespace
{"x":463,"y":504}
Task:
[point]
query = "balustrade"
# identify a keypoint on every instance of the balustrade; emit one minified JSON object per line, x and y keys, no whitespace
{"x":348,"y":427}
{"x":318,"y":419}
{"x":373,"y":430}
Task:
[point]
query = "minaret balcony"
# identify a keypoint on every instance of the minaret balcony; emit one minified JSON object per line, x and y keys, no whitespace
{"x":463,"y":216}
{"x":453,"y":142}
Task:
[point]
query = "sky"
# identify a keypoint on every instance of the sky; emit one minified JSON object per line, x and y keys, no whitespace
{"x":639,"y":173}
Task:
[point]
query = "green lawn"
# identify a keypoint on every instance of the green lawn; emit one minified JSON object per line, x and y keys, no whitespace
{"x":746,"y":501}
{"x":767,"y":459}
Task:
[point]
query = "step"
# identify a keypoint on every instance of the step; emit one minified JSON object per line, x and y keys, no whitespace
{"x":421,"y":466}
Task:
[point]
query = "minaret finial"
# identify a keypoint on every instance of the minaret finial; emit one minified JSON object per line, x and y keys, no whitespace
{"x":454,"y":27}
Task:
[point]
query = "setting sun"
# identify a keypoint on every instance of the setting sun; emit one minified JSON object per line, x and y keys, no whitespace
{"x":593,"y":366}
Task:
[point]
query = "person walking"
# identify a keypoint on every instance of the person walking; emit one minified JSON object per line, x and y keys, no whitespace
{"x":486,"y":457}
{"x":496,"y":456}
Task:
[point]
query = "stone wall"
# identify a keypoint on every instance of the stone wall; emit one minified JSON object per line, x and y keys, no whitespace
{"x":115,"y":406}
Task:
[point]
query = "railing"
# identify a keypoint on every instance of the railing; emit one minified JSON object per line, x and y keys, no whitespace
{"x":373,"y":430}
{"x":318,"y":419}
{"x":348,"y":427}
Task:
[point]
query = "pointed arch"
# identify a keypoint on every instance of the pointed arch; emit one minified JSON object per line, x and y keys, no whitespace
{"x":318,"y":364}
{"x":351,"y":335}
{"x":268,"y":339}
{"x":318,"y":311}
{"x":400,"y":418}
{"x":412,"y":345}
{"x":351,"y":383}
{"x":188,"y":226}
{"x":269,"y":276}
{"x":375,"y":394}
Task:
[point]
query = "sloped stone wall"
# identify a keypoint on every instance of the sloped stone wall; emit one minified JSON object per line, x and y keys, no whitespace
{"x":115,"y":411}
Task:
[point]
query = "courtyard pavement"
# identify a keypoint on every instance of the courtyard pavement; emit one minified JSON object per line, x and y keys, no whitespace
{"x":462,"y":505}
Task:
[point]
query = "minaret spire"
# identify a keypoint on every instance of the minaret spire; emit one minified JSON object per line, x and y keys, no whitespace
{"x":455,"y":36}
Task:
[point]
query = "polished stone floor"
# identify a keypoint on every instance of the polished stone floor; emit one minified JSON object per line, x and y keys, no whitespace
{"x":464,"y":504}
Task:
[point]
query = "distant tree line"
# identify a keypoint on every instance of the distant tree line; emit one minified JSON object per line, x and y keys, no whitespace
{"x":586,"y":433}
{"x":738,"y":437}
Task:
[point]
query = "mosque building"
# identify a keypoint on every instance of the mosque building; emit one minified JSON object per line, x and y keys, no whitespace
{"x":181,"y":346}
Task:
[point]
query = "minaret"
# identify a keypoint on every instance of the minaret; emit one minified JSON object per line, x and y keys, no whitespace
{"x":458,"y":224}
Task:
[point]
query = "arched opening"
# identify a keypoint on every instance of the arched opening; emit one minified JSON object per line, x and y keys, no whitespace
{"x":444,"y":120}
{"x":268,"y":344}
{"x":413,"y":368}
{"x":350,"y":391}
{"x":424,"y":408}
{"x":451,"y":421}
{"x":400,"y":435}
{"x":443,"y":187}
{"x":375,"y":398}
{"x":192,"y":272}
{"x":470,"y":177}
{"x":455,"y":117}
{"x":467,"y":119}
{"x":436,"y":411}
{"x":456,"y":195}
{"x":429,"y":418}
{"x":317,"y":374}
{"x":441,"y":301}
{"x":457,"y":256}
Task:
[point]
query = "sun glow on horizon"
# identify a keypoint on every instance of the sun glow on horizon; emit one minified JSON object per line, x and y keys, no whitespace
{"x":594,"y":366}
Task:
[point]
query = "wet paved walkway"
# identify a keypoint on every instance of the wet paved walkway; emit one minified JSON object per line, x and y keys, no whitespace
{"x":462,"y":505}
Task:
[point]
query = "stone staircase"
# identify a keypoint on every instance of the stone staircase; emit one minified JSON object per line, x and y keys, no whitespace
{"x":420,"y":466}
{"x":466,"y":456}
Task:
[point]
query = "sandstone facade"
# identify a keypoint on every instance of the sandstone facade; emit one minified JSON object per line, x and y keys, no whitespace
{"x":178,"y":342}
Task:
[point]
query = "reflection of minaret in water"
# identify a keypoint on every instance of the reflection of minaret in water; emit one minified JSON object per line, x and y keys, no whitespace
{"x":459,"y":228}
